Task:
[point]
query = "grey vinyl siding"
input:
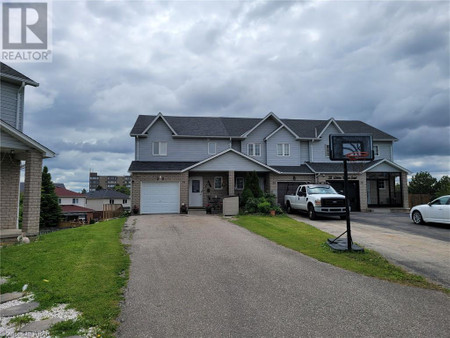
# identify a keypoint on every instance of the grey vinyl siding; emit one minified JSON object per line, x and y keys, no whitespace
{"x":283,"y":136}
{"x":8,"y":104}
{"x":318,"y":147}
{"x":384,"y":149}
{"x":7,"y":141}
{"x":230,"y":161}
{"x":257,"y":136}
{"x":177,"y":149}
{"x":384,"y":167}
{"x":304,"y":151}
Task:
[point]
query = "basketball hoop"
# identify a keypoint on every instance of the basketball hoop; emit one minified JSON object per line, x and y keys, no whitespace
{"x":357,"y":155}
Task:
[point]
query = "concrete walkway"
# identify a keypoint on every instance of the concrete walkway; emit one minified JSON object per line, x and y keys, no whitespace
{"x":202,"y":276}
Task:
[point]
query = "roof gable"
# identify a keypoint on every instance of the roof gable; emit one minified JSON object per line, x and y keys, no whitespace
{"x":6,"y":72}
{"x":63,"y":192}
{"x":230,"y":160}
{"x":159,"y":116}
{"x":331,"y":121}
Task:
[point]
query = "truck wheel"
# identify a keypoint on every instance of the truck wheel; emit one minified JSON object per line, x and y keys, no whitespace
{"x":288,"y":208}
{"x":311,"y":213}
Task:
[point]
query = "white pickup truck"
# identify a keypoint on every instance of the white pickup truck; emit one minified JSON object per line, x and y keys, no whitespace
{"x":316,"y":199}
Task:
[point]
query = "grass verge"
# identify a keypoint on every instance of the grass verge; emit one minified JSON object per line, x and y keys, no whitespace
{"x":311,"y":241}
{"x":85,"y":268}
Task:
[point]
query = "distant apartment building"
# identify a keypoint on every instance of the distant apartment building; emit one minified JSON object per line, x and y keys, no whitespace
{"x":107,"y":182}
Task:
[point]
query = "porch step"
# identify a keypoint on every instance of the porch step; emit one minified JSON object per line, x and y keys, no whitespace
{"x":197,"y":211}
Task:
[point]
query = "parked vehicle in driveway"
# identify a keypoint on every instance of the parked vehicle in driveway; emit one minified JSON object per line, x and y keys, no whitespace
{"x":316,"y":199}
{"x":437,"y":211}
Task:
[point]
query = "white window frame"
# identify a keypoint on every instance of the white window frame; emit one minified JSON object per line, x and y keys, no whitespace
{"x":111,"y":201}
{"x":74,"y":200}
{"x":236,"y":183}
{"x":285,"y":149}
{"x":124,"y":201}
{"x":221,"y":183}
{"x":253,"y":147}
{"x":209,"y":149}
{"x":159,"y":148}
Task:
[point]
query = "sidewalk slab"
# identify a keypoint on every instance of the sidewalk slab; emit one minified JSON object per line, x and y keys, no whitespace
{"x":41,"y":325}
{"x":10,"y":296}
{"x":19,"y":309}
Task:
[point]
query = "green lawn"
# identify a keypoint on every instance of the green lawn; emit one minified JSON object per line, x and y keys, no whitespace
{"x":311,"y":241}
{"x":86,"y":267}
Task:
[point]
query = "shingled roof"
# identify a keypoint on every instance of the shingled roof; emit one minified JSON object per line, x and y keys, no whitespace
{"x":105,"y":193}
{"x":13,"y":75}
{"x":235,"y":127}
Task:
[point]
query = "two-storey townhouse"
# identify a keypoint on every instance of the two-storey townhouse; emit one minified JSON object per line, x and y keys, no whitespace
{"x":194,"y":160}
{"x":17,"y":149}
{"x":73,"y":205}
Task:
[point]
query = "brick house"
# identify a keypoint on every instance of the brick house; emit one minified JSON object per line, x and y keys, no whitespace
{"x":17,"y":148}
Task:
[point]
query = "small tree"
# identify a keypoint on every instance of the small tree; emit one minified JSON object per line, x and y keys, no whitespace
{"x":83,"y":191}
{"x":251,"y":188}
{"x":50,"y":209}
{"x":99,"y":187}
{"x":442,"y":187}
{"x":422,"y":183}
{"x":123,"y":189}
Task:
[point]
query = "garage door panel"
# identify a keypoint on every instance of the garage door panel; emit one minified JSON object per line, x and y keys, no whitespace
{"x":160,"y":198}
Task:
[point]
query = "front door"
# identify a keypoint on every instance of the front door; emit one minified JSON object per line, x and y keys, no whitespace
{"x":196,"y":192}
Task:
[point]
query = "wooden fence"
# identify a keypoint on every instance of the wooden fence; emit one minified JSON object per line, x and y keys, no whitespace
{"x":112,"y":210}
{"x":416,"y":199}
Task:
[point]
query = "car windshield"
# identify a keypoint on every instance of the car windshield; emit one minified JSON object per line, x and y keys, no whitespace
{"x":321,"y":190}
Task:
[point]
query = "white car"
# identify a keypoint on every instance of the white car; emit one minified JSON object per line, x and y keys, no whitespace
{"x":437,"y":211}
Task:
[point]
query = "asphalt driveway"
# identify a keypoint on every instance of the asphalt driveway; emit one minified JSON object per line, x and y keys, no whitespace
{"x":203,"y":276}
{"x":421,"y":249}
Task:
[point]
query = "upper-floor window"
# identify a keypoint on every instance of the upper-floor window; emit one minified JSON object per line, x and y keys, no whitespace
{"x":59,"y":201}
{"x":376,"y":150}
{"x":124,"y":201}
{"x":160,"y":148}
{"x":239,"y":183}
{"x":283,"y":149}
{"x":254,"y":149}
{"x":111,"y":201}
{"x":212,"y":148}
{"x":74,"y":200}
{"x":218,"y":183}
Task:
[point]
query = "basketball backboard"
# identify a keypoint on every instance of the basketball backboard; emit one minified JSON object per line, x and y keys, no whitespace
{"x":351,"y":146}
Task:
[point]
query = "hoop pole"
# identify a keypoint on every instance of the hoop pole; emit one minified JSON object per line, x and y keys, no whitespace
{"x":347,"y":209}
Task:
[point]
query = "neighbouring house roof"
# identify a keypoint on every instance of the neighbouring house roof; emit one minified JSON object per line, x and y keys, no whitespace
{"x":63,"y":192}
{"x":13,"y":75}
{"x":25,"y":139}
{"x":73,"y":209}
{"x":22,"y":186}
{"x":236,"y":127}
{"x":105,"y":193}
{"x":148,"y":166}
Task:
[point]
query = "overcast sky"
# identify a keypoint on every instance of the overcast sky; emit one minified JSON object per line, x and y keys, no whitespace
{"x":385,"y":63}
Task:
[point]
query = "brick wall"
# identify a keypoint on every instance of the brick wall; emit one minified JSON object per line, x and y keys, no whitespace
{"x":9,"y":191}
{"x":32,"y":193}
{"x":137,"y":178}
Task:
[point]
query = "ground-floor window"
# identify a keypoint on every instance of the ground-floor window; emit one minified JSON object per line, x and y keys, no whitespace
{"x":239,"y":183}
{"x":384,"y":189}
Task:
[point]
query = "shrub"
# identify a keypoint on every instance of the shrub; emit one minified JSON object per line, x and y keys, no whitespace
{"x":264,"y":207}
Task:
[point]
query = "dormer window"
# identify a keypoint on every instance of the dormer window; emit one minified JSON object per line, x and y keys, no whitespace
{"x":254,"y":149}
{"x":160,"y":148}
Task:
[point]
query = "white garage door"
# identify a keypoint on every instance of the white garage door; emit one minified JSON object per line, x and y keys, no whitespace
{"x":160,"y":197}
